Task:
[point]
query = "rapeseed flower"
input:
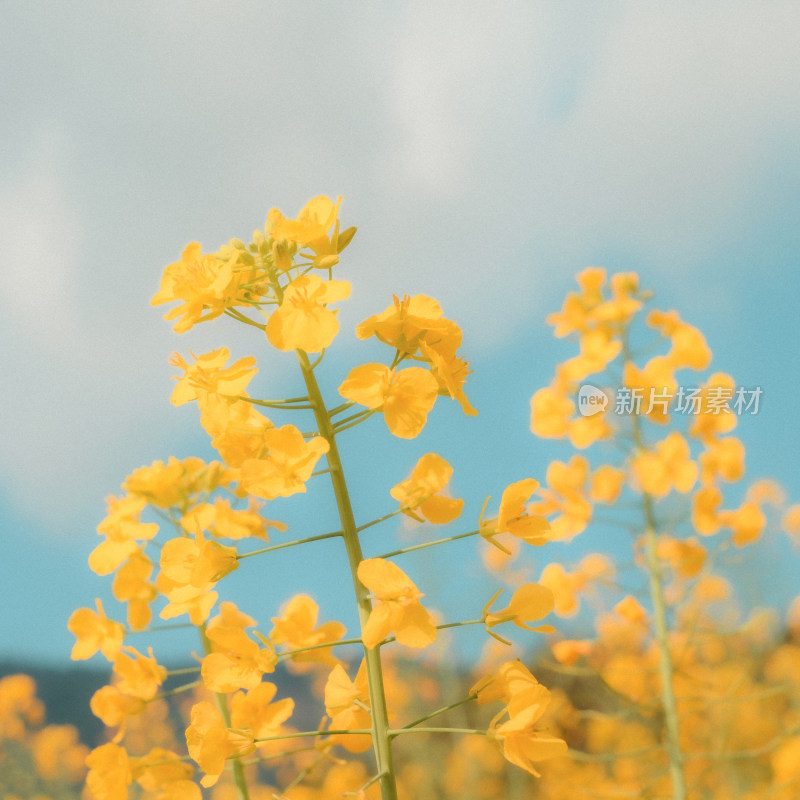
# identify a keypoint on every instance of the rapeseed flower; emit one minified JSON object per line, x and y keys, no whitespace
{"x":420,"y":491}
{"x":398,"y":609}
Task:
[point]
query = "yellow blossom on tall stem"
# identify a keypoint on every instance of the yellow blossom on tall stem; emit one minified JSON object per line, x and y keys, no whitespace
{"x":109,"y":772}
{"x":237,"y":661}
{"x":420,"y":492}
{"x":211,"y":743}
{"x":95,"y":631}
{"x":139,"y":675}
{"x":303,"y":321}
{"x":256,"y":711}
{"x":522,"y":744}
{"x":404,"y":396}
{"x":666,"y":468}
{"x":399,"y":609}
{"x":132,"y":585}
{"x":531,"y":602}
{"x":297,"y":628}
{"x":347,"y":704}
{"x":514,"y":518}
{"x":287,"y":466}
{"x":204,"y":284}
{"x":208,"y":375}
{"x":310,"y":226}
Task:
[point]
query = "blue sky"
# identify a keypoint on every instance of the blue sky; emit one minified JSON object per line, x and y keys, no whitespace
{"x":485,"y":158}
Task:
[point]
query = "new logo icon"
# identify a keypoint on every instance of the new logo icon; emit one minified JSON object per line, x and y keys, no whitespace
{"x":591,"y":400}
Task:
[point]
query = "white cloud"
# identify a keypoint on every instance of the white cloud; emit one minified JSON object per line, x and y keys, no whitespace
{"x":650,"y":126}
{"x":39,"y":240}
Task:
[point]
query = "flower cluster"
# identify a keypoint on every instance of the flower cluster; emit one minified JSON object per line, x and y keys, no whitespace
{"x":182,"y":527}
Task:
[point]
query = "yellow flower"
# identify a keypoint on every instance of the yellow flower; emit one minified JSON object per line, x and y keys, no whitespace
{"x":405,"y":396}
{"x":631,"y":609}
{"x":723,"y":458}
{"x":303,"y":321}
{"x":747,"y":523}
{"x":705,"y":505}
{"x":656,"y":378}
{"x":686,"y":556}
{"x":713,"y":415}
{"x":570,"y":651}
{"x":622,"y":305}
{"x":598,"y":350}
{"x":451,"y":373}
{"x":669,"y":466}
{"x":551,"y":413}
{"x":347,"y":704}
{"x":297,"y":628}
{"x":237,"y":661}
{"x":286,"y":468}
{"x":576,"y":312}
{"x":19,"y":706}
{"x":408,"y":322}
{"x":236,"y":427}
{"x":513,"y":517}
{"x":522,"y":744}
{"x":566,"y":495}
{"x":399,"y":609}
{"x":210,"y":743}
{"x":139,"y":676}
{"x":197,"y":562}
{"x":606,"y":484}
{"x":531,"y":602}
{"x":230,"y":617}
{"x":420,"y":492}
{"x":178,"y":482}
{"x":310,"y":227}
{"x":565,"y":586}
{"x":583,"y":432}
{"x":58,"y":754}
{"x":113,"y":708}
{"x":208,"y":375}
{"x":195,"y":601}
{"x":256,"y":711}
{"x":219,"y":519}
{"x":689,"y":348}
{"x":131,"y":586}
{"x":109,"y":772}
{"x":95,"y":632}
{"x":790,"y":522}
{"x":163,"y":771}
{"x":202,"y":282}
{"x":122,"y":528}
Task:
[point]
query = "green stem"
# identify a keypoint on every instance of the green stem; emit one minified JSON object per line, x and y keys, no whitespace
{"x":306,"y":734}
{"x":398,"y":731}
{"x":342,"y":423}
{"x":441,"y":627}
{"x":290,"y":405}
{"x":179,"y":689}
{"x":287,"y":653}
{"x":379,"y":520}
{"x":440,"y":711}
{"x":222,"y":704}
{"x":380,"y":721}
{"x":183,"y":671}
{"x":242,"y":318}
{"x":427,"y":544}
{"x":283,"y":545}
{"x":357,"y":420}
{"x":665,"y":666}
